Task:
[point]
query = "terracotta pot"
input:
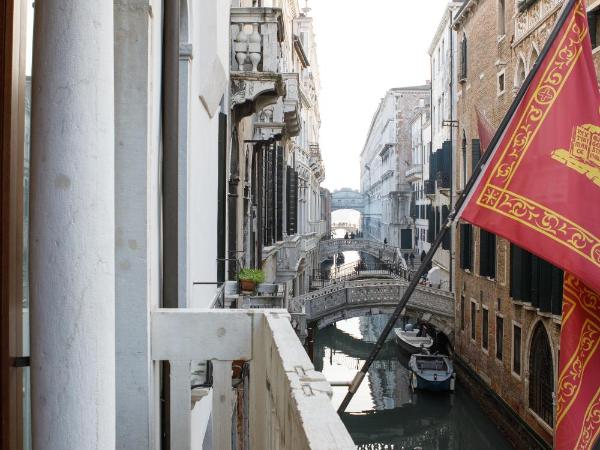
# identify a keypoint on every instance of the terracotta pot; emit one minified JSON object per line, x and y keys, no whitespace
{"x":247,"y":285}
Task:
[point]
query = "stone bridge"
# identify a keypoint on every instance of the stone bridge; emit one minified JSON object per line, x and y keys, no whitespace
{"x":347,"y":198}
{"x":358,"y":298}
{"x":377,"y":249}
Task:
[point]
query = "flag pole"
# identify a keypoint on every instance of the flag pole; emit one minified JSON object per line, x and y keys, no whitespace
{"x":358,"y":378}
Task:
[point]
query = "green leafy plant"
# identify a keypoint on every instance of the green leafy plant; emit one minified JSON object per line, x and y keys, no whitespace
{"x":256,"y":275}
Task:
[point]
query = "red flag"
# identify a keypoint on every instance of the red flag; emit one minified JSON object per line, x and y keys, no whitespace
{"x":578,"y":398}
{"x":540,"y":189}
{"x":484,"y":129}
{"x":541,"y":186}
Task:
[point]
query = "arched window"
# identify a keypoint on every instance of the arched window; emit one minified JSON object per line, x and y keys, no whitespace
{"x":521,"y":73}
{"x":541,"y":375}
{"x":501,"y":18}
{"x":534,"y":57}
{"x":463,"y":58}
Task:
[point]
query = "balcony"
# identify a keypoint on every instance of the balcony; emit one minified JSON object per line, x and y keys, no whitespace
{"x":286,"y":402}
{"x":256,"y":37}
{"x":319,"y":227}
{"x":414,"y":172}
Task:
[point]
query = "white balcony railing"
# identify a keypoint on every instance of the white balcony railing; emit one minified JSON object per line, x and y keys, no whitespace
{"x":256,"y":34}
{"x":319,"y":227}
{"x":289,"y":402}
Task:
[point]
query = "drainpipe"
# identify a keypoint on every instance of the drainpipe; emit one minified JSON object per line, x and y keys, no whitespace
{"x":450,"y":259}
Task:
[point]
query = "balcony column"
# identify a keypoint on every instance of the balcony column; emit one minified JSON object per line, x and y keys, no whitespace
{"x":72,"y":226}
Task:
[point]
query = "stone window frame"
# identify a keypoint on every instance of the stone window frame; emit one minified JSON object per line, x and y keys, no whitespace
{"x":516,"y":375}
{"x":501,"y":73}
{"x":473,"y":308}
{"x":554,"y":352}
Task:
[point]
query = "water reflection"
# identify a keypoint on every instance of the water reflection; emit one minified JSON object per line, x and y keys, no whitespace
{"x":385,"y":411}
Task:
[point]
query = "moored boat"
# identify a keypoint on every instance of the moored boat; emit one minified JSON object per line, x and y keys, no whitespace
{"x":431,"y":372}
{"x":413,"y":340}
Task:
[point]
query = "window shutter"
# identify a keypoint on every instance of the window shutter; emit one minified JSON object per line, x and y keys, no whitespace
{"x":279,"y":212}
{"x":292,"y":200}
{"x":483,"y":253}
{"x":516,"y":271}
{"x":475,"y":153}
{"x":430,"y":224}
{"x":557,"y":291}
{"x":447,"y":238}
{"x":466,"y":246}
{"x":446,"y":164}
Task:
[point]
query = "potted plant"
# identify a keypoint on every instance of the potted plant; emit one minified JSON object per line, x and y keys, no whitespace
{"x":249,"y":278}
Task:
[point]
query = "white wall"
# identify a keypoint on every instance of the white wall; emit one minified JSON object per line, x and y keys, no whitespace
{"x":209,"y":25}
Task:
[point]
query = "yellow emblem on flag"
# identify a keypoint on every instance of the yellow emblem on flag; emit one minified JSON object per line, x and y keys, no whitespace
{"x":584,"y":154}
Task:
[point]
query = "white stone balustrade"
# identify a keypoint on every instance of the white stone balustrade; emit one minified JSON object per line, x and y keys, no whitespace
{"x":256,"y":35}
{"x":289,"y":402}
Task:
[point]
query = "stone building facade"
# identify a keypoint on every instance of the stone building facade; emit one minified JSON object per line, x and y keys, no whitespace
{"x":437,"y":185}
{"x":276,"y":168}
{"x":508,"y":302}
{"x":384,"y":161}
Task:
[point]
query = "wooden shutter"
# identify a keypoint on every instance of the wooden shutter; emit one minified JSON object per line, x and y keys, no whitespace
{"x":483,"y":253}
{"x":446,"y":164}
{"x":475,"y":153}
{"x":447,"y":238}
{"x":466,"y":246}
{"x":279,"y":202}
{"x":292,"y":201}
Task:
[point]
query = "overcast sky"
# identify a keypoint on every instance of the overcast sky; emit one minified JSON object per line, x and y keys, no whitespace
{"x":364,"y":49}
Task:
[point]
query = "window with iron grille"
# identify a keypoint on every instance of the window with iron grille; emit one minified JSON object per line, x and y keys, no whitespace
{"x":541,"y":375}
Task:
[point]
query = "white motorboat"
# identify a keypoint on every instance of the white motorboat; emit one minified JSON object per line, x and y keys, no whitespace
{"x":413,"y":340}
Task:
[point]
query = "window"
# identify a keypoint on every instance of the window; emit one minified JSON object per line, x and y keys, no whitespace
{"x":487,"y":254}
{"x":466,"y":246}
{"x":541,"y":379}
{"x":501,"y":18}
{"x":516,"y":349}
{"x":464,"y":159}
{"x":473,"y":320}
{"x":463,"y":58}
{"x":521,"y":73}
{"x":485,"y":329}
{"x":501,"y":83}
{"x":462,"y":313}
{"x":535,"y":281}
{"x":499,"y":337}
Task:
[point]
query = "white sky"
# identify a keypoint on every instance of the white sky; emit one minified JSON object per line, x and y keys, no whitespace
{"x":364,"y":49}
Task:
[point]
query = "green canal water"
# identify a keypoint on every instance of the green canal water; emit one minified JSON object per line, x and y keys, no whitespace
{"x":385,"y":413}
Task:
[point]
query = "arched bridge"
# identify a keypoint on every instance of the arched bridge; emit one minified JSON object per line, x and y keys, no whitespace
{"x":347,"y":198}
{"x":358,"y":298}
{"x":377,"y":249}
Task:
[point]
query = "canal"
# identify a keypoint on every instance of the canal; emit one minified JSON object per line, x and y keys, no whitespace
{"x":385,"y":413}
